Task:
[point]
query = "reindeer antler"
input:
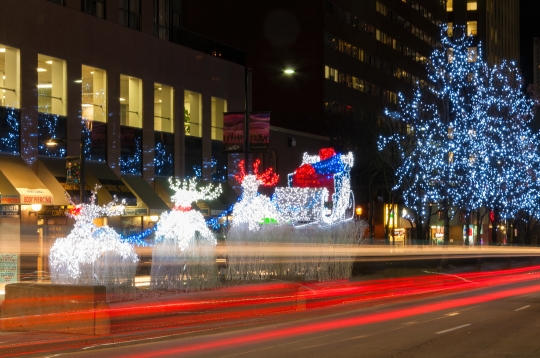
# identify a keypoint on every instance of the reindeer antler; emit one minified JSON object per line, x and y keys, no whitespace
{"x":268,"y":178}
{"x":240,"y":176}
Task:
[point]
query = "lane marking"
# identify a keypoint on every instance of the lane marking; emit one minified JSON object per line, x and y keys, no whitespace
{"x":453,"y":329}
{"x":522,"y":308}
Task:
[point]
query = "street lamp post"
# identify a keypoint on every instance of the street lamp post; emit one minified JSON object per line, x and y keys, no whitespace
{"x":288,"y":71}
{"x":82,"y":157}
{"x":246,"y":121}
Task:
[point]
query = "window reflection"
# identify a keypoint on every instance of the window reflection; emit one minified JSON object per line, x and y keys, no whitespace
{"x":52,"y":93}
{"x":94,"y":94}
{"x":218,"y":107}
{"x":130,"y":101}
{"x":192,"y":114}
{"x":9,"y":77}
{"x":163,"y":108}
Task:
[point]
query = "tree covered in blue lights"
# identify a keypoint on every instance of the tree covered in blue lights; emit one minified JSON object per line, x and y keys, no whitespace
{"x":467,"y":144}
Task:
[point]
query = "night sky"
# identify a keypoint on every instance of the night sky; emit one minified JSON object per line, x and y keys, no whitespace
{"x":530,"y":28}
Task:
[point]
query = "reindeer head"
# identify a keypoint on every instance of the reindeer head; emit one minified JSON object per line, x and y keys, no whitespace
{"x":250,"y":182}
{"x":186,"y":192}
{"x":86,"y":213}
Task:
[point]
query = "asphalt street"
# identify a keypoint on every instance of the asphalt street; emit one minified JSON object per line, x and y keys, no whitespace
{"x":497,"y":321}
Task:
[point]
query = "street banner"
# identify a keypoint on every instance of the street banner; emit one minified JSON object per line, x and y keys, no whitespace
{"x":259,"y":131}
{"x":233,"y":131}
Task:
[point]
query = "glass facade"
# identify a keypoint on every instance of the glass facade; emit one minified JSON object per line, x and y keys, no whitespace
{"x":163,"y":154}
{"x":193,"y":113}
{"x":163,"y":108}
{"x":51,"y":88}
{"x":193,"y":157}
{"x":94,"y":7}
{"x":130,"y":14}
{"x":52,"y":127}
{"x":10,"y":77}
{"x":131,"y":125}
{"x":218,"y":107}
{"x":52,"y":106}
{"x":96,"y":149}
{"x":94,"y":94}
{"x":10,"y":119}
{"x":10,"y":102}
{"x":131,"y":150}
{"x":218,"y":162}
{"x":130,"y":101}
{"x":472,"y":27}
{"x":162,"y":18}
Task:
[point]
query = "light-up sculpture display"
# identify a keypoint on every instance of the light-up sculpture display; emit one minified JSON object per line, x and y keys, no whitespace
{"x":92,"y":255}
{"x":253,"y":208}
{"x":319,"y":190}
{"x":183,"y":256}
{"x":319,"y":194}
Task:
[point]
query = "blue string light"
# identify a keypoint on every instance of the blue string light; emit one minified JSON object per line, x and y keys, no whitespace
{"x":138,"y":239}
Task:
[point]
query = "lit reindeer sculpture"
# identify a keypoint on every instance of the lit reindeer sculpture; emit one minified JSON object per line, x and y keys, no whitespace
{"x":247,"y":238}
{"x":92,"y":255}
{"x":183,"y":256}
{"x":254,"y":208}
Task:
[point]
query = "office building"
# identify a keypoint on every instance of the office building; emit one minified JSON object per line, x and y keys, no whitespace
{"x":152,"y":98}
{"x":346,"y":55}
{"x":494,"y":23}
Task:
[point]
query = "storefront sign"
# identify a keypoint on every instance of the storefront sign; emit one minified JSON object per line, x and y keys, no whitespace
{"x":399,"y":234}
{"x":135,"y":211}
{"x":8,"y":210}
{"x":35,"y":196}
{"x":8,"y":268}
{"x":11,"y":199}
{"x":55,"y":211}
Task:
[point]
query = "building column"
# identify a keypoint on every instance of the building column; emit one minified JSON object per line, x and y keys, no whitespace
{"x":74,"y":108}
{"x":148,"y":145}
{"x":206,"y":170}
{"x":113,"y":121}
{"x":29,"y":112}
{"x":179,"y":134}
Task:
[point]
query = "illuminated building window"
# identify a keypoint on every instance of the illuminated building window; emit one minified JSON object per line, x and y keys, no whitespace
{"x":51,"y":88}
{"x":10,"y":77}
{"x":472,"y":55}
{"x":331,"y":74}
{"x":10,"y":114}
{"x":472,"y":5}
{"x":218,"y":107}
{"x":94,"y":94}
{"x":450,"y":29}
{"x":130,"y":101}
{"x":472,"y":28}
{"x":449,"y":5}
{"x":52,"y":105}
{"x":163,"y":108}
{"x":192,"y":114}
